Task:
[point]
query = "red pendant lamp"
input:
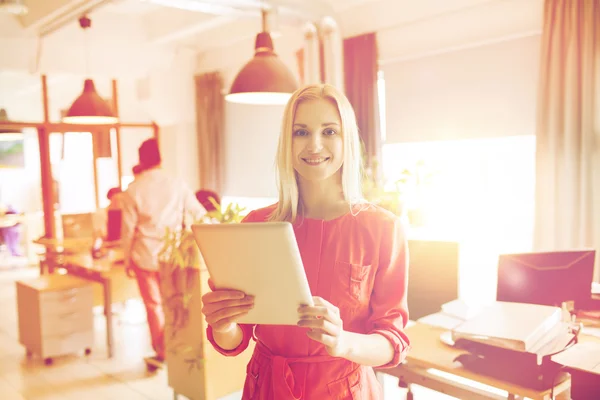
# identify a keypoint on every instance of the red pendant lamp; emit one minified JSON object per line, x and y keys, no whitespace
{"x":89,"y":108}
{"x":265,"y":79}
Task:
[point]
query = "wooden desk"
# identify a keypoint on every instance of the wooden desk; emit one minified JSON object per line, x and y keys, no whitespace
{"x":74,"y":256}
{"x":429,"y":353}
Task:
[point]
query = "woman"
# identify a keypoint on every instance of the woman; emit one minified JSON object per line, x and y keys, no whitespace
{"x":355,"y":259}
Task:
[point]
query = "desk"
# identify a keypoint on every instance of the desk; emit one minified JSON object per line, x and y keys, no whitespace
{"x":428,"y":352}
{"x":75,"y":258}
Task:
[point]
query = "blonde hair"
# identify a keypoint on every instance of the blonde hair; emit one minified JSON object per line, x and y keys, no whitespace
{"x":287,"y":208}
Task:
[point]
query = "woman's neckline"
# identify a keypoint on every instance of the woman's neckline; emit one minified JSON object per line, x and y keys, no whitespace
{"x":351,"y":211}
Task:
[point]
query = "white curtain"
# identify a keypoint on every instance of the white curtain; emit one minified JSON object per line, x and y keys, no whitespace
{"x":568,"y":128}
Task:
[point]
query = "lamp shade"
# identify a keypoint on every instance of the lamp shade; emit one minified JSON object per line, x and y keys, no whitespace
{"x":89,"y":108}
{"x":8,"y":134}
{"x":265,"y":79}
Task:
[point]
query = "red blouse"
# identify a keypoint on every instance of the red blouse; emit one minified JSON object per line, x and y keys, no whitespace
{"x":358,"y":262}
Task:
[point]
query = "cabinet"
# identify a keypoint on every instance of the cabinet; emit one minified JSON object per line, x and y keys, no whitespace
{"x":55,"y":315}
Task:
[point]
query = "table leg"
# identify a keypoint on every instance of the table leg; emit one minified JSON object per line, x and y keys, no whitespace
{"x":108,"y":314}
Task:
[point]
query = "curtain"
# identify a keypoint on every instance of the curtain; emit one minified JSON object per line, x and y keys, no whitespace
{"x":360,"y":77}
{"x":210,"y":127}
{"x":302,"y":60}
{"x":568,"y":128}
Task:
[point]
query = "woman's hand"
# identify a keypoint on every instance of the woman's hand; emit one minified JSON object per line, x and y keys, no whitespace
{"x":325,"y":325}
{"x":223,"y":307}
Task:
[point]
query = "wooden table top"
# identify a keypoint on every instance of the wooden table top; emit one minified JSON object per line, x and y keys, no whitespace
{"x":428,"y":351}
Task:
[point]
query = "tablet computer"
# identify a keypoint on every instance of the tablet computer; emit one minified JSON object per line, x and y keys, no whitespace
{"x":260,"y":259}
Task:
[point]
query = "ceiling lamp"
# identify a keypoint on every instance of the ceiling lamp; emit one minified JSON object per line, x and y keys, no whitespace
{"x":8,"y":134}
{"x":15,"y":7}
{"x":265,"y":79}
{"x":89,"y":108}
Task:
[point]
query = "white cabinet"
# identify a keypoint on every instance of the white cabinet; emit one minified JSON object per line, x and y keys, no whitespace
{"x":55,"y":315}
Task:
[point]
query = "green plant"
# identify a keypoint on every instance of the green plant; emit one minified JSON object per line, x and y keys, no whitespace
{"x":231,"y":214}
{"x":180,"y":264}
{"x":409,"y":190}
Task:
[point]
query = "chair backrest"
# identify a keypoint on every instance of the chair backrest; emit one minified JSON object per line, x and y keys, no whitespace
{"x":432,"y":276}
{"x":113,"y":224}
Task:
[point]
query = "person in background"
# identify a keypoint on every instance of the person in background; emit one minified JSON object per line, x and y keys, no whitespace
{"x":153,"y":202}
{"x":114,"y":196}
{"x":356,"y":261}
{"x":11,"y":235}
{"x":204,"y":197}
{"x":137,"y":170}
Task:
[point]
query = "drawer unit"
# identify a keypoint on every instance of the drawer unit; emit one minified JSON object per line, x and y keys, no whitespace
{"x":55,"y":315}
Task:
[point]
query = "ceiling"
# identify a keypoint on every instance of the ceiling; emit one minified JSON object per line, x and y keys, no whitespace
{"x":132,"y":37}
{"x":205,"y":24}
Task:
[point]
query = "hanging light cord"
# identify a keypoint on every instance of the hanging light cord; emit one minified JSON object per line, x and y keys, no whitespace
{"x":85,"y":23}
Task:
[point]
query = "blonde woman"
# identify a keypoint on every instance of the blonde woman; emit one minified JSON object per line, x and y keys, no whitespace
{"x":356,"y":262}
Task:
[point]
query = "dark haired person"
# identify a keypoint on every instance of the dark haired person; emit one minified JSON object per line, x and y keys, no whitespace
{"x":153,"y":202}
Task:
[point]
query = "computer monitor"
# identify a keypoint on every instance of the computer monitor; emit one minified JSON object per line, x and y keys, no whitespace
{"x":547,"y":278}
{"x":78,"y":225}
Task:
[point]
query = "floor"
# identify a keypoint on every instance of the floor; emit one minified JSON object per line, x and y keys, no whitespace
{"x":95,"y":376}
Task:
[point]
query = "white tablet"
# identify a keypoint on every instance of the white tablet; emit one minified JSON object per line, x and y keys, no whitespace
{"x":261,"y":259}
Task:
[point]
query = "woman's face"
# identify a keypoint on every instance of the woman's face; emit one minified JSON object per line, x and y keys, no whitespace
{"x":317,"y":143}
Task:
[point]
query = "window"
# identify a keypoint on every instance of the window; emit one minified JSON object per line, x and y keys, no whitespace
{"x":481,"y":195}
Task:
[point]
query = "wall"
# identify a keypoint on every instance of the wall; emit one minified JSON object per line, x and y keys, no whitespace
{"x":251,"y":132}
{"x":480,"y":92}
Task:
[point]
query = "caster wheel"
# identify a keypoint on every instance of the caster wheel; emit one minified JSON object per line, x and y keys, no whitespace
{"x":88,"y":351}
{"x":48,"y":361}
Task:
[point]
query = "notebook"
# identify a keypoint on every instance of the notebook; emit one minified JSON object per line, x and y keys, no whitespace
{"x":516,"y":326}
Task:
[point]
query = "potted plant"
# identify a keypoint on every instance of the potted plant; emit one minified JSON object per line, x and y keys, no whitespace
{"x":407,"y":197}
{"x":180,"y":267}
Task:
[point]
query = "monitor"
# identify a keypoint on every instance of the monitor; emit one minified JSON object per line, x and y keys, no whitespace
{"x":546,"y":278}
{"x":78,"y":225}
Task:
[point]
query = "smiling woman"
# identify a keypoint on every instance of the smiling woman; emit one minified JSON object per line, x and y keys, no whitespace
{"x":317,"y":147}
{"x":354,"y":256}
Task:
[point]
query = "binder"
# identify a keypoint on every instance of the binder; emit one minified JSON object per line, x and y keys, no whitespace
{"x":516,"y":326}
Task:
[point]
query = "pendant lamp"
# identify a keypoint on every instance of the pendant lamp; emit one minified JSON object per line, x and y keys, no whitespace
{"x":8,"y":134}
{"x":15,"y":7}
{"x":265,"y":79}
{"x":89,"y":108}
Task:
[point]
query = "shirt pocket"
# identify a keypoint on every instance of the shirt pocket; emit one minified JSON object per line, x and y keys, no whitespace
{"x":352,"y":285}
